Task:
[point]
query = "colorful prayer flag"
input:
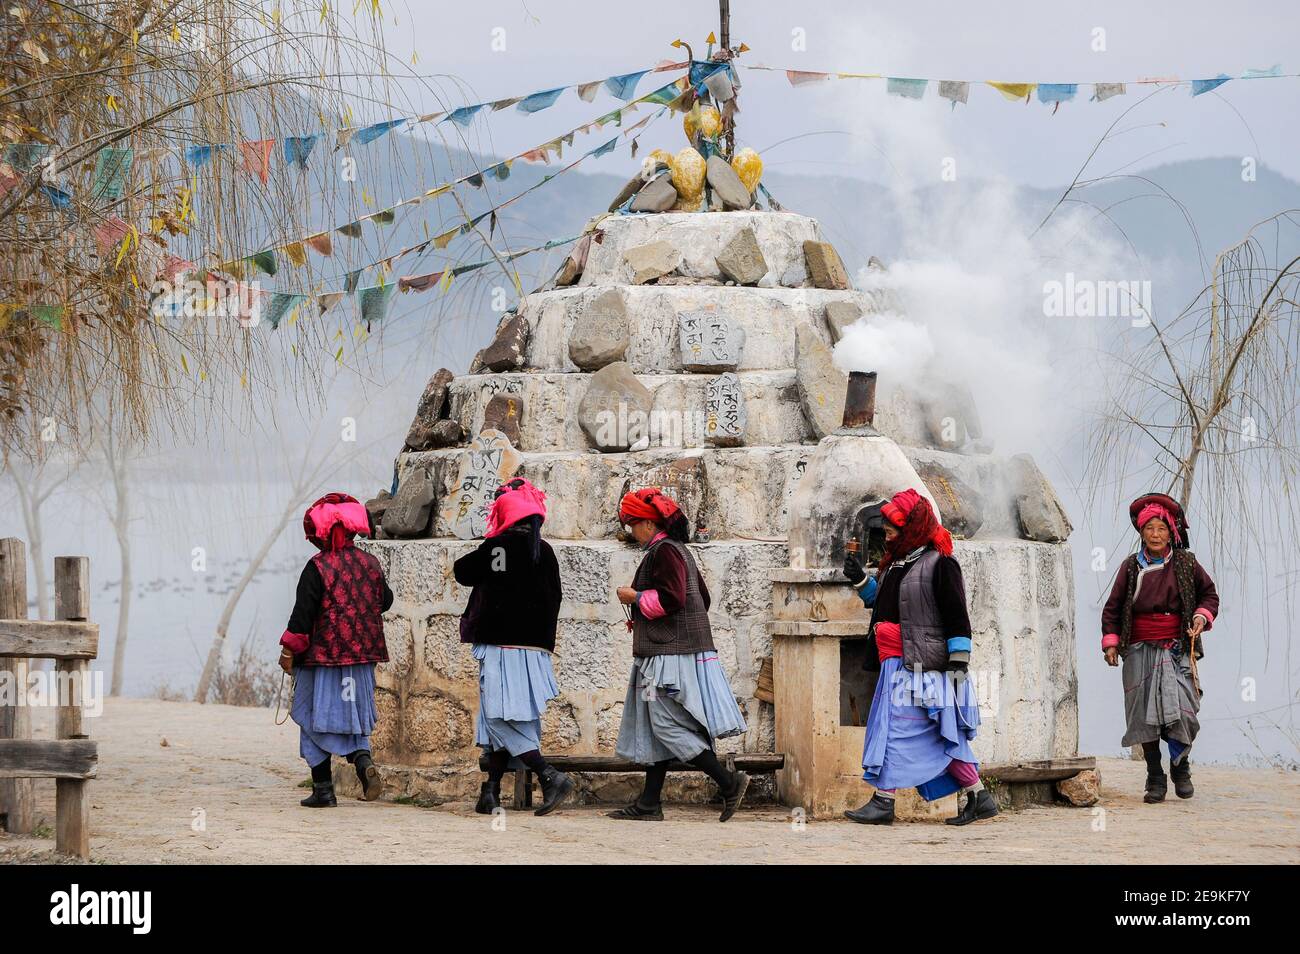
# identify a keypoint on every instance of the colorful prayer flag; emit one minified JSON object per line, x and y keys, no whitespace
{"x":1205,"y":85}
{"x":624,"y":86}
{"x":371,"y":133}
{"x":1013,"y":91}
{"x":905,"y":87}
{"x":257,"y":158}
{"x":374,"y":301}
{"x":956,"y":91}
{"x":539,"y":101}
{"x":298,"y":148}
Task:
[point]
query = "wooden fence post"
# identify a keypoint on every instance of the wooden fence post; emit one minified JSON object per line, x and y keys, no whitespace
{"x":72,"y":602}
{"x":17,"y":798}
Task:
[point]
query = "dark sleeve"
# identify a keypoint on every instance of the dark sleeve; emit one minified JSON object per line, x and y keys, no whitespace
{"x":951,"y":596}
{"x":1207,"y":597}
{"x":668,"y":576}
{"x":307,"y":605}
{"x":473,"y":567}
{"x":1110,"y":613}
{"x":704,"y":593}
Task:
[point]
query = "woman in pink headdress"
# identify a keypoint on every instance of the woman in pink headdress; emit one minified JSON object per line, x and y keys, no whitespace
{"x":334,"y":638}
{"x":1161,"y":603}
{"x":510,"y":620}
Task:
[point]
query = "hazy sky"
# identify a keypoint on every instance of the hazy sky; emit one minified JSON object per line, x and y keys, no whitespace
{"x":551,"y":42}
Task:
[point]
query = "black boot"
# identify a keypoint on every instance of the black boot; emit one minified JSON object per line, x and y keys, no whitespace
{"x":732,"y":801}
{"x":979,"y":805}
{"x":878,"y":811}
{"x":372,"y":786}
{"x":1181,"y":773}
{"x":489,"y":798}
{"x":1157,"y":782}
{"x":556,"y":787}
{"x":322,"y":796}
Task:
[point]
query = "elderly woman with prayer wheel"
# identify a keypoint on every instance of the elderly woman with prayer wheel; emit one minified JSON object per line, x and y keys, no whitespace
{"x":334,"y":638}
{"x":678,"y":699}
{"x":510,"y":620}
{"x":924,"y":712}
{"x":1161,"y":603}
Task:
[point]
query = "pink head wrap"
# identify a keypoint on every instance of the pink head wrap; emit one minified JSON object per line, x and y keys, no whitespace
{"x":333,"y":520}
{"x":516,"y":499}
{"x":1153,"y":510}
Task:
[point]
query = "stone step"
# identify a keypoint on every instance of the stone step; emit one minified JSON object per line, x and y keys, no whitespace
{"x":548,"y":408}
{"x":699,"y":239}
{"x":766,"y":316}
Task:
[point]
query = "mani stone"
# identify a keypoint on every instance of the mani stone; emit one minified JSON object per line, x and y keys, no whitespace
{"x":821,"y":385}
{"x":726,"y":185}
{"x":506,"y":352}
{"x":961,"y":509}
{"x":599,"y":336}
{"x":638,"y":183}
{"x":503,"y":413}
{"x":724,"y":411}
{"x":683,"y":480}
{"x":432,"y":407}
{"x":376,"y":506}
{"x":489,"y":462}
{"x":741,"y":260}
{"x":615,"y":411}
{"x":824,"y":266}
{"x":839,"y":316}
{"x":407,"y":514}
{"x":571,"y":270}
{"x":443,"y":433}
{"x":649,"y":262}
{"x":709,"y":341}
{"x":1038,"y":510}
{"x":657,"y":195}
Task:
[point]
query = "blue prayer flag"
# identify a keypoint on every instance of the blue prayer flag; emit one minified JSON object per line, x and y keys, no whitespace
{"x":1205,"y":85}
{"x":464,"y":116}
{"x":539,"y":101}
{"x":298,"y":148}
{"x":371,"y":133}
{"x":624,"y":86}
{"x":1057,"y":92}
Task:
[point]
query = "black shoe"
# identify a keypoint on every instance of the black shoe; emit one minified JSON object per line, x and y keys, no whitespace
{"x":556,"y":787}
{"x":489,"y":798}
{"x":731,"y":802}
{"x":1157,"y":787}
{"x":979,"y":805}
{"x":1182,"y":776}
{"x":636,"y":812}
{"x":372,"y":786}
{"x":322,"y":796}
{"x":878,"y":811}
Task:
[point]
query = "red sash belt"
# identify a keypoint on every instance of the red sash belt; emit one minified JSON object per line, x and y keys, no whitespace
{"x":1156,"y":627}
{"x":889,"y":640}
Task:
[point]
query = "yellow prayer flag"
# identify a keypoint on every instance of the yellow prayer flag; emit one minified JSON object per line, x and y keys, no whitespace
{"x":1014,"y":91}
{"x":296,"y":253}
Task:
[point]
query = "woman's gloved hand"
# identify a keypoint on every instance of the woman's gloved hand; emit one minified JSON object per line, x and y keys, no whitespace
{"x":854,"y":570}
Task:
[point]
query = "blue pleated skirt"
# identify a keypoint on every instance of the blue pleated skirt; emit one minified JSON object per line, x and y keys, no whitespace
{"x":514,"y":686}
{"x":334,"y":707}
{"x":919,"y":723}
{"x":675,"y":706}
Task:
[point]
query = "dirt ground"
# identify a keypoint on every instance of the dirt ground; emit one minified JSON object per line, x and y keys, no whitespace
{"x":236,"y":772}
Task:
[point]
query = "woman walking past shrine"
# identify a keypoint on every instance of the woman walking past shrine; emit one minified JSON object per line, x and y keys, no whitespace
{"x":678,"y":699}
{"x":334,"y":638}
{"x":510,"y":620}
{"x":1161,"y":603}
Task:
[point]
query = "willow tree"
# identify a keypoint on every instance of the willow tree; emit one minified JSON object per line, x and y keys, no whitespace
{"x":1204,"y":405}
{"x":106,"y":186}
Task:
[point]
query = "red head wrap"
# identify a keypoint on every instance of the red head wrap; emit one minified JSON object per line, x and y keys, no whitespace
{"x":917,"y":526}
{"x":1154,"y":510}
{"x":648,"y":503}
{"x":333,"y":520}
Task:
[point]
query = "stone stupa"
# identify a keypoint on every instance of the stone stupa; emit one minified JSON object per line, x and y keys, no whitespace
{"x":691,"y":350}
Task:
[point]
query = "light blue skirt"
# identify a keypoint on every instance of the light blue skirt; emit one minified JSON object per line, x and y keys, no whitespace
{"x":514,"y":686}
{"x":676,"y":705}
{"x":334,"y":707}
{"x":919,"y":723}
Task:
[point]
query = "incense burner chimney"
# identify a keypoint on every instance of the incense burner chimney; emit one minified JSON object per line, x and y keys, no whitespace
{"x":860,"y":401}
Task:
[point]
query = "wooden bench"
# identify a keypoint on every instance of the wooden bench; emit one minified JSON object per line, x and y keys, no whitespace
{"x":755,"y":763}
{"x":70,"y":758}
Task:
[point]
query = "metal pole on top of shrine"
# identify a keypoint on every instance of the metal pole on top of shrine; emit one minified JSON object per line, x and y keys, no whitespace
{"x":724,"y":34}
